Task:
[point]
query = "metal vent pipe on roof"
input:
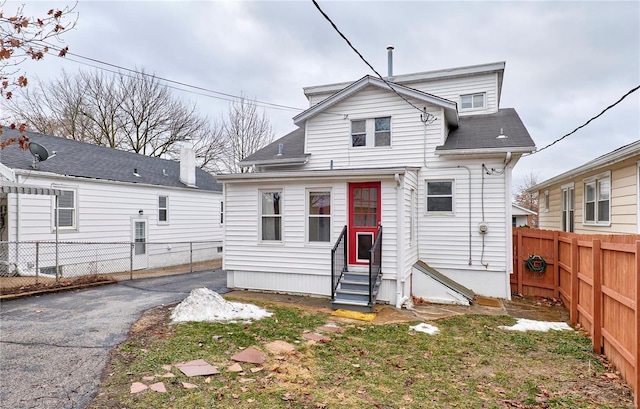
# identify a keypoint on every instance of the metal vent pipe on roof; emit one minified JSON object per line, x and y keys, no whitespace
{"x":280,"y":149}
{"x":390,"y":62}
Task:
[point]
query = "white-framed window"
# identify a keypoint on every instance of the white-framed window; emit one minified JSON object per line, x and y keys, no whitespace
{"x":163,"y":209}
{"x":597,"y":200}
{"x":319,"y":215}
{"x":568,"y":207}
{"x":65,"y":215}
{"x":439,"y":196}
{"x":139,"y":236}
{"x":546,"y":200}
{"x":271,"y":215}
{"x":473,"y":101}
{"x":372,"y":132}
{"x":221,"y":212}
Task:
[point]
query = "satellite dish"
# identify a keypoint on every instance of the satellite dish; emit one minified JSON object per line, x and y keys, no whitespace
{"x":39,"y":152}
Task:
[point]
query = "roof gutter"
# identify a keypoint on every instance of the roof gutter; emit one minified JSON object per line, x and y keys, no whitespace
{"x":315,"y":174}
{"x":611,"y":158}
{"x":275,"y":162}
{"x":485,"y":151}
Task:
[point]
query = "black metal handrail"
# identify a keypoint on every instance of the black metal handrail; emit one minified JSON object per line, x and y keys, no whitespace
{"x":375,"y":263}
{"x":338,"y":261}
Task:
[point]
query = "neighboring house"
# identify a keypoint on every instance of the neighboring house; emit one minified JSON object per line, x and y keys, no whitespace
{"x":600,"y":196}
{"x":104,"y":195}
{"x":427,"y":156}
{"x":521,"y":216}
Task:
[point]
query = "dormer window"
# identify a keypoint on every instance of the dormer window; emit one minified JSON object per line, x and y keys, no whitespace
{"x":473,"y":101}
{"x":371,"y":132}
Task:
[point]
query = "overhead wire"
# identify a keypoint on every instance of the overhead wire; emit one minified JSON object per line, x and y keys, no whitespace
{"x":335,"y":27}
{"x":631,"y":91}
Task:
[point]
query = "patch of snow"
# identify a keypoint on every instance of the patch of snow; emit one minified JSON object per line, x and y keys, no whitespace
{"x":203,"y":304}
{"x":524,"y":324}
{"x":426,"y":328}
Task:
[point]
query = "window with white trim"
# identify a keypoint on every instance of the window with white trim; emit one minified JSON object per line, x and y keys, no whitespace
{"x":319,"y":216}
{"x":439,"y":196}
{"x":221,"y":212}
{"x":473,"y":101}
{"x":271,"y":215}
{"x":412,"y":215}
{"x":373,"y":132}
{"x":597,"y":203}
{"x":568,"y":208}
{"x":66,"y":212}
{"x":163,"y":209}
{"x":546,"y":200}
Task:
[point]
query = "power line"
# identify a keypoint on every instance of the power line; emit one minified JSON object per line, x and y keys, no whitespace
{"x":263,"y":104}
{"x":586,"y":123}
{"x":422,"y":112}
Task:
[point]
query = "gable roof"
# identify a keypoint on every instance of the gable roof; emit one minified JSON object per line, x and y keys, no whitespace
{"x":292,"y":152}
{"x":450,"y":107}
{"x":618,"y":155}
{"x":478,"y":134}
{"x":425,"y":76}
{"x":521,"y":211}
{"x":85,"y":160}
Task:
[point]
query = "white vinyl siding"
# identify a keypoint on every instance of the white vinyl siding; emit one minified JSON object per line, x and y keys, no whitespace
{"x":329,"y":140}
{"x":104,"y":210}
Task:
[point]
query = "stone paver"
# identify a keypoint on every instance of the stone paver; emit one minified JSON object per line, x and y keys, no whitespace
{"x":138,"y":387}
{"x":279,"y":347}
{"x":198,"y":367}
{"x":312,"y":336}
{"x":249,"y":355}
{"x":158,"y":387}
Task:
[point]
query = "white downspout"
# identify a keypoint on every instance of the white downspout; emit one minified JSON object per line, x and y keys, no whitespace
{"x":508,"y":228}
{"x":400,"y":278}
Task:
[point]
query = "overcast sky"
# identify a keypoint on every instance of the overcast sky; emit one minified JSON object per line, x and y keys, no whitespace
{"x":565,"y":61}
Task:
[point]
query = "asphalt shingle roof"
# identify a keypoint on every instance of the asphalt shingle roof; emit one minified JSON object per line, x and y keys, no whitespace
{"x":481,"y":131}
{"x":292,"y":148}
{"x":80,"y":159}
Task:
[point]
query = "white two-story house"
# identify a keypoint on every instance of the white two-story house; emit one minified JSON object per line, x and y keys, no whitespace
{"x":378,"y":176}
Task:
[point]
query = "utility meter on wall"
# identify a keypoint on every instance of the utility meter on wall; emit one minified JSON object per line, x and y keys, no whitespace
{"x":483,"y":227}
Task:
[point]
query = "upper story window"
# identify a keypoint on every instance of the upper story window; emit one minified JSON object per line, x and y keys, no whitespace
{"x":597,"y":203}
{"x":473,"y":101}
{"x":65,"y":215}
{"x":271,"y":215}
{"x":371,"y":132}
{"x":163,"y":209}
{"x":440,"y":196}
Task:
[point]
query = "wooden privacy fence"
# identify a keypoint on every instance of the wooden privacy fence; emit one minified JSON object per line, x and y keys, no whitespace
{"x":596,"y":276}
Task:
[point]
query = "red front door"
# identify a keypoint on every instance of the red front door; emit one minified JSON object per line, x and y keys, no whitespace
{"x":364,"y":218}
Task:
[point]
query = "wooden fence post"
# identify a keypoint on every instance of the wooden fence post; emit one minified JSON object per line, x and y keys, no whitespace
{"x":520,"y":262}
{"x":573,"y":307}
{"x":556,"y":265}
{"x":636,"y":384}
{"x":597,"y":297}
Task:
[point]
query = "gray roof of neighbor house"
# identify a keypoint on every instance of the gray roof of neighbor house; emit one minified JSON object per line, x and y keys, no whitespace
{"x":84,"y":160}
{"x":618,"y":155}
{"x":480,"y":133}
{"x":292,"y":151}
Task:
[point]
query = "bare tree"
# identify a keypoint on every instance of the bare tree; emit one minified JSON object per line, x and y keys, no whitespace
{"x":132,"y":112}
{"x":244,"y":132}
{"x":23,"y":38}
{"x":526,"y":199}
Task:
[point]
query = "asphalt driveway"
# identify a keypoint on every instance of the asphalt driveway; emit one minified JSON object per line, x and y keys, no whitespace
{"x":53,"y":348}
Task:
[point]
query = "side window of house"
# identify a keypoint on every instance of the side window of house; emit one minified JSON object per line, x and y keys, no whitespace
{"x":221,"y":212}
{"x":271,"y":215}
{"x":65,"y":215}
{"x":597,"y":205}
{"x":546,"y":200}
{"x":473,"y":101}
{"x":440,"y":196}
{"x":163,"y":209}
{"x":372,"y":132}
{"x":319,"y":216}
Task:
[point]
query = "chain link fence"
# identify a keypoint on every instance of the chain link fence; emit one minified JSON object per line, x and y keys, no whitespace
{"x":45,"y":262}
